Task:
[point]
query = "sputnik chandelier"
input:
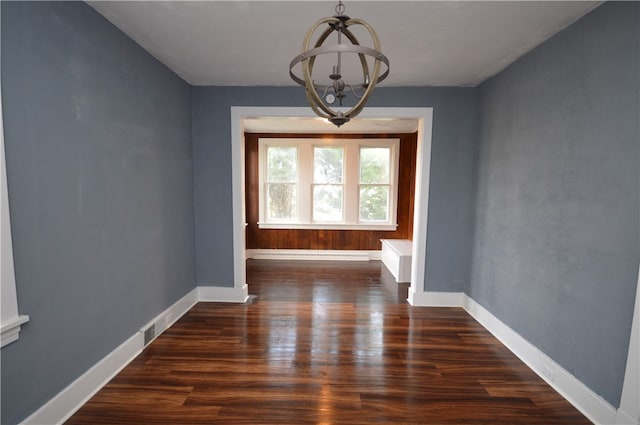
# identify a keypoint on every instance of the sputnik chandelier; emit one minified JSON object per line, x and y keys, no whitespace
{"x":350,"y":61}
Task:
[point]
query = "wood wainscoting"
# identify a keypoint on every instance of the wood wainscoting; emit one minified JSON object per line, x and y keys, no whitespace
{"x":329,"y":239}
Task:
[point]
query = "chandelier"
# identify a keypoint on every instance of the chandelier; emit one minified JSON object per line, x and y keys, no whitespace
{"x":347,"y":62}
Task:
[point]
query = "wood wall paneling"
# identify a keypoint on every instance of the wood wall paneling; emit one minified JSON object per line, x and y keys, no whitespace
{"x":329,"y":239}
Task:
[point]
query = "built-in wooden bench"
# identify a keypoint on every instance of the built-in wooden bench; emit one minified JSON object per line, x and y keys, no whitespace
{"x":396,"y":256}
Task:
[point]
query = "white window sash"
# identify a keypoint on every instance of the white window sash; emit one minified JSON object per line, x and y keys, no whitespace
{"x":351,"y":184}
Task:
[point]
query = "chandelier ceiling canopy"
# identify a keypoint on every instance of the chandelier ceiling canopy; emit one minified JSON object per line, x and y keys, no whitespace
{"x":351,"y":70}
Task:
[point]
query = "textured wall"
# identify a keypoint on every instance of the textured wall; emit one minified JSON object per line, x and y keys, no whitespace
{"x":556,"y":244}
{"x":98,"y":145}
{"x":454,"y":136}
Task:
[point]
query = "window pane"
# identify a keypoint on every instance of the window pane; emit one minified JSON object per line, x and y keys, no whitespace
{"x":374,"y":203}
{"x":327,"y":203}
{"x":374,"y":165}
{"x":281,"y":201}
{"x":327,"y":165}
{"x":281,"y":164}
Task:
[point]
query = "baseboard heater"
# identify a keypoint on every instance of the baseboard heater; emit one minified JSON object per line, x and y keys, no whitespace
{"x":313,"y":254}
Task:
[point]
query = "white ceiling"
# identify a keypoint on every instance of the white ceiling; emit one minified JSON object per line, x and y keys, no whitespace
{"x":251,"y":43}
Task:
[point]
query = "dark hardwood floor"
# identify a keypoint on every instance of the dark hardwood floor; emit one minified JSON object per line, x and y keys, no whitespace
{"x":326,"y":343}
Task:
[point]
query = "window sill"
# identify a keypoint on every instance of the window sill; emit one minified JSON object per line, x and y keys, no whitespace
{"x":11,"y":329}
{"x":304,"y":226}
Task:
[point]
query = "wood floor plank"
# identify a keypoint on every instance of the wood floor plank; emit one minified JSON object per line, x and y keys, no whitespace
{"x":326,"y":343}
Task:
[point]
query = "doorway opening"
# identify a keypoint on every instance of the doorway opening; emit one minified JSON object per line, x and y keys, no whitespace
{"x":374,"y":120}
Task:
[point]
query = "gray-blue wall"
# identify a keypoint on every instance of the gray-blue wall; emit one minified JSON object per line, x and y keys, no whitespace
{"x":450,"y":197}
{"x":98,"y":148}
{"x":556,"y":244}
{"x":103,"y":192}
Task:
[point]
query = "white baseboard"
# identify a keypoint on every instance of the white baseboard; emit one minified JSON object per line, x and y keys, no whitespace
{"x":594,"y":407}
{"x":223,"y":294}
{"x":437,"y":299}
{"x":69,"y":400}
{"x":623,"y":418}
{"x":629,"y":411}
{"x":168,"y":317}
{"x":313,"y":254}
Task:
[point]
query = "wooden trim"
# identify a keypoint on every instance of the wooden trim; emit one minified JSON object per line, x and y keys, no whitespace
{"x":583,"y":398}
{"x":64,"y":404}
{"x":221,"y":294}
{"x":629,"y":411}
{"x":10,"y":320}
{"x":571,"y":388}
{"x":10,"y":329}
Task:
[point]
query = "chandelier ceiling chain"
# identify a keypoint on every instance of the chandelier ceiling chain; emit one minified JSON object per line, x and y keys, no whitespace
{"x":320,"y":96}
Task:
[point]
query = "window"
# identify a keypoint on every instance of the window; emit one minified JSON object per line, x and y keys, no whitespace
{"x":282,"y":164}
{"x":374,"y":183}
{"x":328,"y":193}
{"x":328,"y":183}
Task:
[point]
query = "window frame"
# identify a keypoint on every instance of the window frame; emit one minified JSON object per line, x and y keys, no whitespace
{"x":351,"y":183}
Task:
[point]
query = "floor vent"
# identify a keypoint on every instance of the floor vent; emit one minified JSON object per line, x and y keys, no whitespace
{"x":149,"y":334}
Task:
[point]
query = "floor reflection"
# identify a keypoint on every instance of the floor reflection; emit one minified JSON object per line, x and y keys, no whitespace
{"x":326,"y":343}
{"x":318,"y":321}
